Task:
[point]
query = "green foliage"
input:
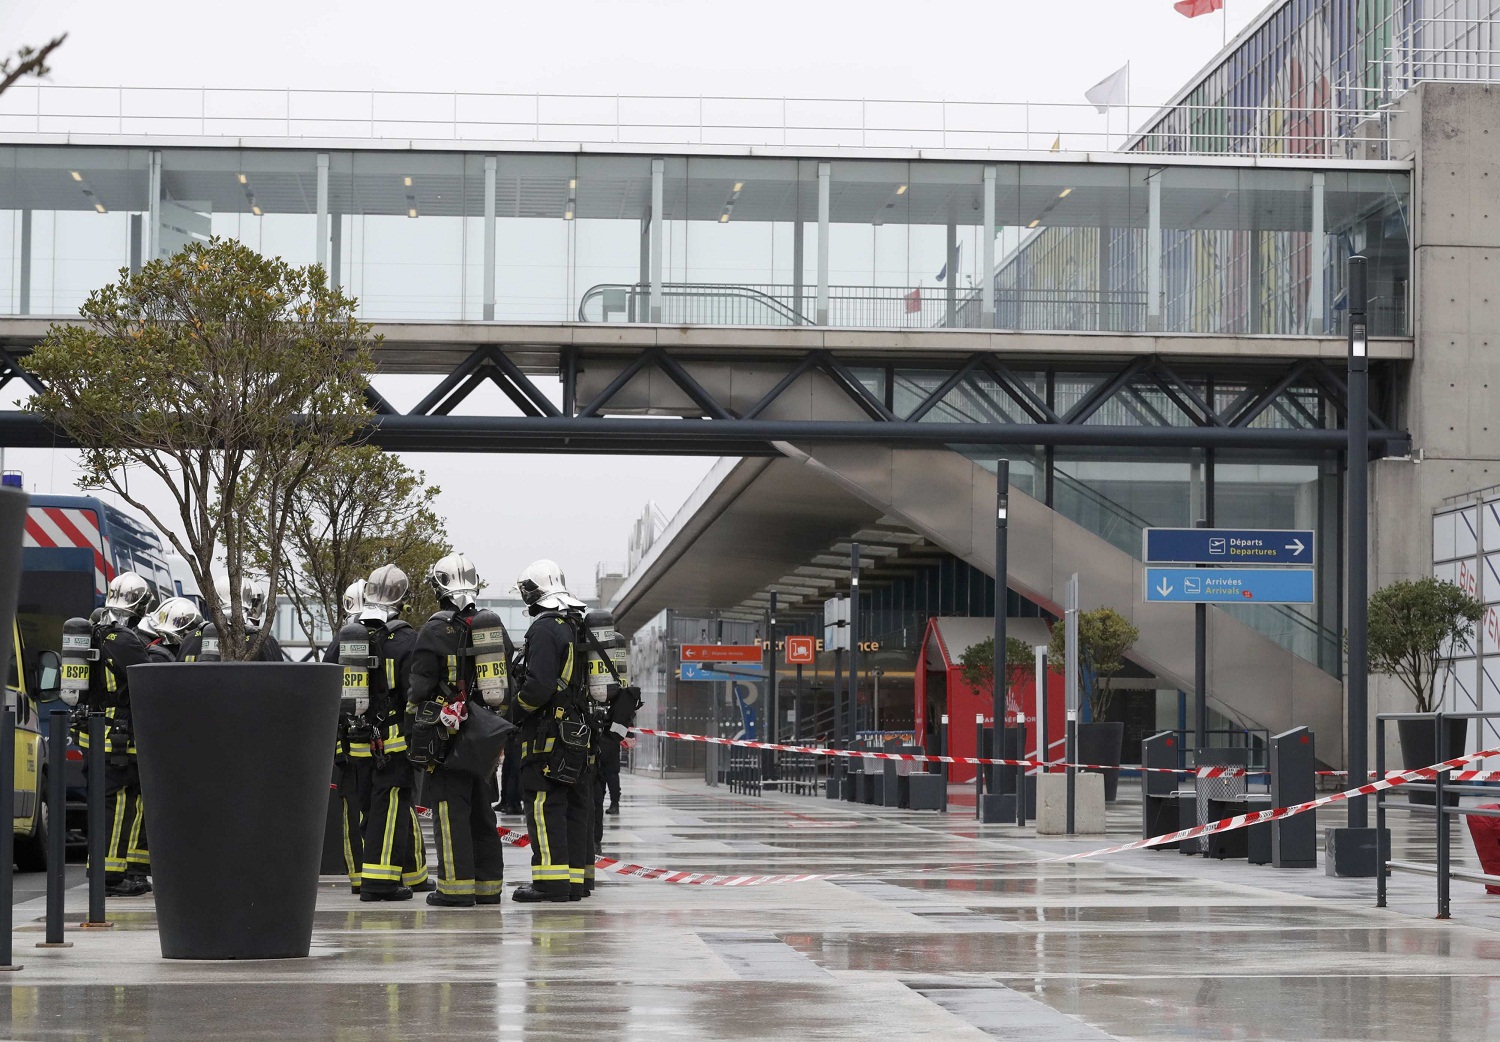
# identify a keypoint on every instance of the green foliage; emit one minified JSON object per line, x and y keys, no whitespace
{"x":1105,"y":637}
{"x":1411,"y":623}
{"x":977,"y":666}
{"x":359,"y":509}
{"x":229,"y":377}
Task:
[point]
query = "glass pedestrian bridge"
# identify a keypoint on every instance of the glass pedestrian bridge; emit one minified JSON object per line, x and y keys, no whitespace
{"x":727,"y":235}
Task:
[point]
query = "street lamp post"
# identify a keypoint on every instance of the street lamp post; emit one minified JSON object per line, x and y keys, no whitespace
{"x":1352,"y":851}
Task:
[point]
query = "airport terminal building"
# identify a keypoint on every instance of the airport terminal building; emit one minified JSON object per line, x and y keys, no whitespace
{"x":831,"y":296}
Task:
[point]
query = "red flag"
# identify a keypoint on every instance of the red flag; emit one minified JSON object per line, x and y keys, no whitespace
{"x":1193,"y":8}
{"x":914,"y":301}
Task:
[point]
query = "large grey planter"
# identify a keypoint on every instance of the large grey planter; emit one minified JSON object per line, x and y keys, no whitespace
{"x":235,"y":759}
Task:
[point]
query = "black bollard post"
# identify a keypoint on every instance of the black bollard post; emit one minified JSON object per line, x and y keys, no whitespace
{"x":57,"y":821}
{"x":97,"y":825}
{"x":7,"y":836}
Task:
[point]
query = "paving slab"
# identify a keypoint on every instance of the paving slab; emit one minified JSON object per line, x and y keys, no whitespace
{"x":932,"y":927}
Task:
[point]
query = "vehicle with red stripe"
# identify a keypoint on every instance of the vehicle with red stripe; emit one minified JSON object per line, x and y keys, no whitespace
{"x":73,"y":547}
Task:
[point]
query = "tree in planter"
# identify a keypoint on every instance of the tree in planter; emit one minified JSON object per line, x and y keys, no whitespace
{"x":360,"y":508}
{"x":1411,"y":624}
{"x":1105,"y":637}
{"x":977,"y":666}
{"x":229,"y":377}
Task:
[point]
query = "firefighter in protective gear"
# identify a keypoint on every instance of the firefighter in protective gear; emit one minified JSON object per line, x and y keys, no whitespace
{"x":254,"y":605}
{"x":165,"y":629}
{"x":394,"y":855}
{"x":444,"y":679}
{"x":126,"y":858}
{"x":551,"y":708}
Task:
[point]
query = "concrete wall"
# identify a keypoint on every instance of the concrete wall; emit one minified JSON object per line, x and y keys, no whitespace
{"x":1449,"y":405}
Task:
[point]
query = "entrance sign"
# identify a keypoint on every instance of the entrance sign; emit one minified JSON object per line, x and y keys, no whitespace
{"x":1229,"y":585}
{"x":1237,"y":546}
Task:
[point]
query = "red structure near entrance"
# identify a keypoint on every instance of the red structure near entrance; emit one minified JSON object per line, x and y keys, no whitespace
{"x":940,"y":688}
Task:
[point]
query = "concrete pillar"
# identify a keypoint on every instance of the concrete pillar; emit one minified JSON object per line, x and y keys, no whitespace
{"x":491,"y":168}
{"x":1153,"y":252}
{"x":658,"y":191}
{"x":153,"y":203}
{"x":137,"y":229}
{"x":950,"y":284}
{"x":322,"y":232}
{"x":1316,"y":258}
{"x":987,"y":258}
{"x":797,"y":237}
{"x":825,"y":176}
{"x":23,"y":306}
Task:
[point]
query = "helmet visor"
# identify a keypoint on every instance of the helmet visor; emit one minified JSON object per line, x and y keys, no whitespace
{"x":387,"y":588}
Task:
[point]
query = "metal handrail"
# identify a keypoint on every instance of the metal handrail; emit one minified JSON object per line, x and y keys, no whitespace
{"x":1443,"y":814}
{"x":644,"y":119}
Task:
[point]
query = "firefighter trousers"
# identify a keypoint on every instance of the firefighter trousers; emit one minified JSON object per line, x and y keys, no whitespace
{"x":393,"y":851}
{"x":125,"y":849}
{"x":471,"y":859}
{"x":558,"y":822}
{"x":355,"y":777}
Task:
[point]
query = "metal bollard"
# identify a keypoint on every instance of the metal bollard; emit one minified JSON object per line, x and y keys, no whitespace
{"x":57,"y":825}
{"x":7,"y":835}
{"x":97,"y":825}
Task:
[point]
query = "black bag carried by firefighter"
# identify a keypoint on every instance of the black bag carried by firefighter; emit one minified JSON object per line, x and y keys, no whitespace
{"x":484,"y":691}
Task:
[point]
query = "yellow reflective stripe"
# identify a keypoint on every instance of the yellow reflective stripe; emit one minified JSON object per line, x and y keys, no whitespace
{"x":544,"y":844}
{"x":415,"y":878}
{"x":453,"y":669}
{"x":114,"y":833}
{"x":388,"y":841}
{"x":488,"y":887}
{"x":544,"y":747}
{"x":446,"y":870}
{"x":575,"y":875}
{"x":134,"y":853}
{"x":419,"y":842}
{"x":555,"y":874}
{"x":566,"y":676}
{"x":390,"y":674}
{"x":349,"y":865}
{"x":456,"y":887}
{"x":382,"y":873}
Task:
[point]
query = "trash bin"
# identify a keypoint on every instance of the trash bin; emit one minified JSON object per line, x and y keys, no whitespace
{"x":1486,"y":833}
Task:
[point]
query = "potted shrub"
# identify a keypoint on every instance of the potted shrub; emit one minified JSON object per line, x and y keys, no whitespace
{"x":977,"y":667}
{"x":228,"y":378}
{"x":1105,"y":637}
{"x":1416,"y":627}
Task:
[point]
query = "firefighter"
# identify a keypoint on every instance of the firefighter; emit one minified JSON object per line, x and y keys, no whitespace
{"x":254,"y":602}
{"x":395,"y":860}
{"x":444,"y":678}
{"x":126,"y":859}
{"x":167,"y":627}
{"x":555,"y":740}
{"x":353,"y":771}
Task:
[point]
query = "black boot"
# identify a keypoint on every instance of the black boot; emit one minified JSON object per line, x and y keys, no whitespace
{"x":401,"y":893}
{"x":449,"y":900}
{"x":130,"y":886}
{"x":531,"y":895}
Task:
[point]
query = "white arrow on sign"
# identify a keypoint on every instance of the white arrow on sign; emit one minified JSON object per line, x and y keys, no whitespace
{"x":1296,"y":547}
{"x":1163,"y":589}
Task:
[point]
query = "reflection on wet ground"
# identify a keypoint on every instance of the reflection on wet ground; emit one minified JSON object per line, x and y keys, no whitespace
{"x":933,"y":928}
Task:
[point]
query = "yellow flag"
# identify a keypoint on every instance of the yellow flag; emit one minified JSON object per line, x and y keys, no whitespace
{"x":1057,"y":144}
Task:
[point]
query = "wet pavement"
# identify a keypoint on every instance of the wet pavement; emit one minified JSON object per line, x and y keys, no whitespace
{"x":934,"y":928}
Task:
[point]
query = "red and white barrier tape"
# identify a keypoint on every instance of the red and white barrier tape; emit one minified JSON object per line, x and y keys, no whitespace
{"x":517,"y":838}
{"x":1240,"y":821}
{"x":1206,"y":771}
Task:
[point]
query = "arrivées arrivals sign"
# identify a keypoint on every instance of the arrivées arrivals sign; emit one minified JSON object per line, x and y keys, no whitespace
{"x":1229,"y":585}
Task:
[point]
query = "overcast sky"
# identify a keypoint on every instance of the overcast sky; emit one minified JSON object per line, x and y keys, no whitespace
{"x":997,"y":50}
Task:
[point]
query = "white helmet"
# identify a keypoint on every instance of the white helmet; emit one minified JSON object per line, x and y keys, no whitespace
{"x":175,"y":619}
{"x":542,"y":585}
{"x":252,"y":599}
{"x":453,"y":578}
{"x":128,"y":596}
{"x":386,"y":592}
{"x":354,"y":599}
{"x":259,"y":603}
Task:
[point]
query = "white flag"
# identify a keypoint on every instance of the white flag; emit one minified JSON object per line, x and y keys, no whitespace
{"x":1114,"y":89}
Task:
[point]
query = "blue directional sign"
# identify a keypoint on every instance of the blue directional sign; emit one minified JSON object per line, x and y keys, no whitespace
{"x":697,"y":671}
{"x":1229,"y":585}
{"x":1228,"y":546}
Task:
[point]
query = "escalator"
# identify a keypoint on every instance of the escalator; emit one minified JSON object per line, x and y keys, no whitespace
{"x":949,"y":499}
